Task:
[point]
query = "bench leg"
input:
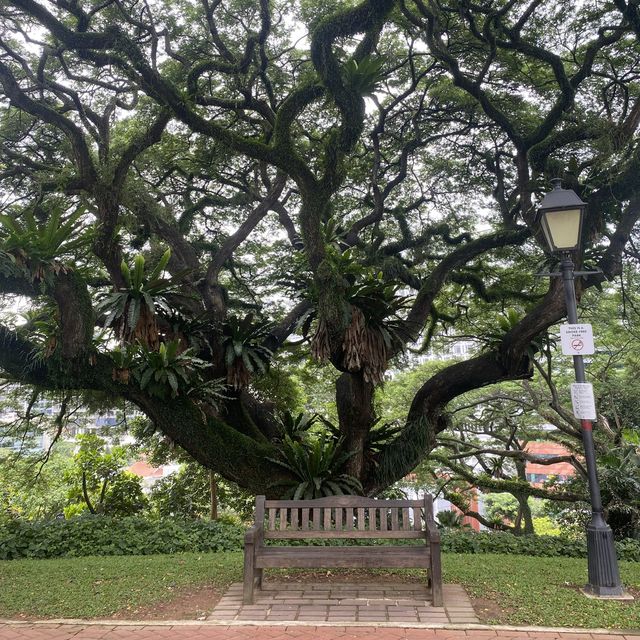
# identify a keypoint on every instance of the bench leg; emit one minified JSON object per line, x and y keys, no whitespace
{"x":436,"y":576}
{"x":258,"y":575}
{"x":249,"y":574}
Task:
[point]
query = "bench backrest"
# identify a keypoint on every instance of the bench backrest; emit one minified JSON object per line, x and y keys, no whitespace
{"x":344,"y":517}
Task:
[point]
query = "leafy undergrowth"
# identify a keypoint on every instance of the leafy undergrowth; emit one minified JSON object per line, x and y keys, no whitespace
{"x":506,"y":589}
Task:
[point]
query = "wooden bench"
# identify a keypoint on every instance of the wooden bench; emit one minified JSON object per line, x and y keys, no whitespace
{"x":346,"y":517}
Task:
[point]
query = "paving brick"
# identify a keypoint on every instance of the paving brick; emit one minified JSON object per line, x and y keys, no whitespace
{"x":420,"y":634}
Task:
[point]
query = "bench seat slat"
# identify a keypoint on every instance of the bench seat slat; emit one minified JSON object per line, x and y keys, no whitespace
{"x":359,"y":557}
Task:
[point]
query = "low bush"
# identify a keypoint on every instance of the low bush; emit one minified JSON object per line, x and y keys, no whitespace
{"x":106,"y":536}
{"x":135,"y":535}
{"x":530,"y":545}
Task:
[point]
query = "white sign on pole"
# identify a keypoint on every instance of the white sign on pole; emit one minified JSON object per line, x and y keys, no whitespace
{"x":584,"y":404}
{"x":577,"y":339}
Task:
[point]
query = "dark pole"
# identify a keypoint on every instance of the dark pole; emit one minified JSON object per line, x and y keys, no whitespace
{"x":604,"y":576}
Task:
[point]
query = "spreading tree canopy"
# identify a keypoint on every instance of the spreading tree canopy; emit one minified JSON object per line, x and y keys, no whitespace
{"x":195,"y":190}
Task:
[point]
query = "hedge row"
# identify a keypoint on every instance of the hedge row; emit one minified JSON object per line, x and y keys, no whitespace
{"x":104,"y":536}
{"x":532,"y":545}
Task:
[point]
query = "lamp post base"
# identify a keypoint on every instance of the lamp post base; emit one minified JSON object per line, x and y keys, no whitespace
{"x":604,"y":576}
{"x":625,"y":595}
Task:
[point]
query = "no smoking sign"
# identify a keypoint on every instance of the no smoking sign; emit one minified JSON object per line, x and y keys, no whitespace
{"x":577,"y":339}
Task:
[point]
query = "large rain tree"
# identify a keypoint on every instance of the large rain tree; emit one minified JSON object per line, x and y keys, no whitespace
{"x":196,"y":191}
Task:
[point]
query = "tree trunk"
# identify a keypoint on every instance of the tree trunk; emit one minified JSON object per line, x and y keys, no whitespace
{"x":213,"y":495}
{"x":524,"y":510}
{"x":523,"y":524}
{"x":354,"y":400}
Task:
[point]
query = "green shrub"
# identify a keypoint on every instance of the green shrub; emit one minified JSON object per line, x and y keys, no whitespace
{"x":544,"y":526}
{"x":135,"y":535}
{"x":530,"y":545}
{"x":106,"y":536}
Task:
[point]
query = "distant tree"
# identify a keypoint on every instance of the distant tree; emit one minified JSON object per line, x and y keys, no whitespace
{"x":99,"y":483}
{"x":30,"y":490}
{"x":187,"y":494}
{"x":486,"y":443}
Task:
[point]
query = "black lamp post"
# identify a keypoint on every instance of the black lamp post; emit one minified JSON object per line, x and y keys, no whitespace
{"x":560,"y":215}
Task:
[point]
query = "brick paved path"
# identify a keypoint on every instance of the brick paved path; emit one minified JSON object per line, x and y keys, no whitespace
{"x":213,"y":632}
{"x":346,"y":602}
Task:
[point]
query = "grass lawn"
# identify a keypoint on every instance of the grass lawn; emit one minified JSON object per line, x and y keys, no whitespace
{"x":98,"y":587}
{"x":541,"y":591}
{"x":507,"y":589}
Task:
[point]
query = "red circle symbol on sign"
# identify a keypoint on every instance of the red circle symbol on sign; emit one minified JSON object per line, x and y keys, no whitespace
{"x":577,"y":344}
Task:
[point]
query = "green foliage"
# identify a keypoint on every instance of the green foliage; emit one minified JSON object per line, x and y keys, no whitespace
{"x":30,"y":490}
{"x":186,"y":495}
{"x":317,"y":466}
{"x":125,"y":496}
{"x":619,"y":476}
{"x":136,"y":535}
{"x":106,"y":536}
{"x":168,"y":371}
{"x":619,"y":479}
{"x":507,"y":321}
{"x":395,"y":183}
{"x":396,"y":395}
{"x":380,"y":302}
{"x":529,"y":545}
{"x":500,"y":506}
{"x":131,"y":311}
{"x":244,"y":353}
{"x":296,"y":428}
{"x":98,"y":482}
{"x":504,"y":506}
{"x":363,"y":76}
{"x":36,"y":247}
{"x":544,"y":526}
{"x":450,"y":520}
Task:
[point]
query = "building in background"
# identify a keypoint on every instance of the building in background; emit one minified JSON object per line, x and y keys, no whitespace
{"x":538,"y":474}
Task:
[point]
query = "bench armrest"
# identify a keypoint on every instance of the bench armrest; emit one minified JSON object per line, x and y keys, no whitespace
{"x":433,"y":533}
{"x":254,"y":535}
